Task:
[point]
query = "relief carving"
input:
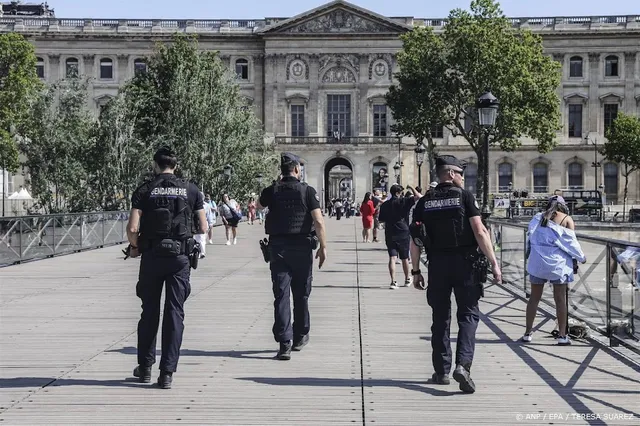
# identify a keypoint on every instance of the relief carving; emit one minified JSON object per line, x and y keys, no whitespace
{"x":339,"y":74}
{"x":297,"y":68}
{"x":380,"y":66}
{"x":339,"y":21}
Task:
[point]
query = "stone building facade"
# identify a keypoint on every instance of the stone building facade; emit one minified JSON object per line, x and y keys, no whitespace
{"x":318,"y":81}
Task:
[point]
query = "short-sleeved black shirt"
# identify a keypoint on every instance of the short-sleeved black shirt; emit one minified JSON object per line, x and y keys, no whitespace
{"x":312,"y":199}
{"x":394,"y":214}
{"x":141,"y":195}
{"x":470,"y":205}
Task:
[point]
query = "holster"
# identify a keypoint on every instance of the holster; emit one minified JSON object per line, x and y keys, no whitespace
{"x":419,"y":235}
{"x":168,"y":248}
{"x":480,"y":267}
{"x":313,"y":242}
{"x":193,"y":250}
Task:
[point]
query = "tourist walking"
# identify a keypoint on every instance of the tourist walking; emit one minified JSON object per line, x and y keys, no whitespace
{"x":230,"y":218}
{"x":366,"y":212}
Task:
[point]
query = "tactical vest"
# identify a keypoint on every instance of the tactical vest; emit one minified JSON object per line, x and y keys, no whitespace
{"x":288,"y":211}
{"x":167,"y":213}
{"x":445,"y":220}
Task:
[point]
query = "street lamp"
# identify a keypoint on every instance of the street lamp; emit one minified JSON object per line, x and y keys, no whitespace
{"x":595,"y":164}
{"x":487,"y":106}
{"x":510,"y":190}
{"x":420,"y":150}
{"x":396,"y":171}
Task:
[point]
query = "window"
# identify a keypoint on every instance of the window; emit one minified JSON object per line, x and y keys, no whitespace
{"x":574,"y":173}
{"x":575,"y":121}
{"x":106,"y":69}
{"x":338,"y":116}
{"x":540,"y":178}
{"x":575,"y":66}
{"x":242,"y":69}
{"x":379,"y":120}
{"x":437,"y":132}
{"x":611,"y":66}
{"x":139,"y":66}
{"x":610,"y":115}
{"x":505,"y":176}
{"x":40,"y":67}
{"x":611,"y":181}
{"x":72,"y":68}
{"x":297,"y":120}
{"x":471,"y":177}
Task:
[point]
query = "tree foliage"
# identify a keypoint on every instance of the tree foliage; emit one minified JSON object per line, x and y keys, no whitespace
{"x":442,"y":75}
{"x":623,"y":147}
{"x":19,"y":85}
{"x":57,"y":146}
{"x":189,"y":100}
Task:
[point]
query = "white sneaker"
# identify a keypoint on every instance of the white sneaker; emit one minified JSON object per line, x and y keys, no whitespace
{"x":235,"y":241}
{"x":210,"y":242}
{"x":228,"y":243}
{"x":393,"y":286}
{"x":408,"y":282}
{"x":527,"y":338}
{"x":564,"y":341}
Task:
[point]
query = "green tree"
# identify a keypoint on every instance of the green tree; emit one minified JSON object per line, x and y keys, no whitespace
{"x":19,"y":85}
{"x":189,"y":100}
{"x":57,"y":145}
{"x":623,"y":147}
{"x":481,"y":50}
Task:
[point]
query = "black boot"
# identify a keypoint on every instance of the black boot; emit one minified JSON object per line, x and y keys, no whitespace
{"x":143,"y":374}
{"x":284,"y":353}
{"x":165,"y":379}
{"x":462,"y":375}
{"x":300,"y":342}
{"x":440,"y":379}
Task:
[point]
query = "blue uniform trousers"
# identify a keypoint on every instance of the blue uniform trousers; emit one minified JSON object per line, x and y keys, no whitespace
{"x":447,"y":272}
{"x":154,"y":273}
{"x":291,"y":272}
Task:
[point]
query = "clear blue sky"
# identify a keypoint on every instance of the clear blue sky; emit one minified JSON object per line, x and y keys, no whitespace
{"x":256,"y":9}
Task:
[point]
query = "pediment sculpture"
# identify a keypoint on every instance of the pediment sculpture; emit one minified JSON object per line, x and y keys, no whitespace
{"x":339,"y":75}
{"x":340,"y":21}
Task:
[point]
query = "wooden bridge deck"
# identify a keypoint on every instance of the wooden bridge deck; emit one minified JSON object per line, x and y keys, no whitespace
{"x":67,"y":335}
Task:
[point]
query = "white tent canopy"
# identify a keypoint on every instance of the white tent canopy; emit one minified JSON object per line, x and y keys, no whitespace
{"x":22,"y":195}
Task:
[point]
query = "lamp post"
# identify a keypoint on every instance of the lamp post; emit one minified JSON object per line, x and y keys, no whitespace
{"x":228,"y":171}
{"x":595,"y":164}
{"x":487,"y":106}
{"x":420,"y":150}
{"x":396,"y":171}
{"x":509,"y":213}
{"x":602,"y":201}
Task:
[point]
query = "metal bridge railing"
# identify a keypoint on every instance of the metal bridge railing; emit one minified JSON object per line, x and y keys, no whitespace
{"x":606,"y":292}
{"x":27,"y":238}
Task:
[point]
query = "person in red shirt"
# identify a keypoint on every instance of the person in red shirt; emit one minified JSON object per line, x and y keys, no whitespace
{"x":366,"y":211}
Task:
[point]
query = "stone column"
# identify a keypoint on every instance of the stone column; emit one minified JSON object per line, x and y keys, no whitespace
{"x":314,"y":96}
{"x":54,"y":68}
{"x":629,"y":82}
{"x":281,"y":105}
{"x":559,"y":57}
{"x":258,"y":86}
{"x":89,"y":65}
{"x":123,"y":68}
{"x":594,"y":101}
{"x":269,"y":94}
{"x":363,"y":87}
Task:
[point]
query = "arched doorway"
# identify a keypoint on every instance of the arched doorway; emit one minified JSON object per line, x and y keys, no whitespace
{"x":338,"y":179}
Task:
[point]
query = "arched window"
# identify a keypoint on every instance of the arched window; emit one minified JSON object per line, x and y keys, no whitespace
{"x":505,"y":176}
{"x":611,"y":66}
{"x":471,"y":177}
{"x":139,"y":66}
{"x":575,"y":176}
{"x":575,"y":66}
{"x":380,"y":176}
{"x":40,"y":67}
{"x":611,"y":181}
{"x":72,"y":69}
{"x":242,"y":69}
{"x":540,"y":178}
{"x":106,"y":69}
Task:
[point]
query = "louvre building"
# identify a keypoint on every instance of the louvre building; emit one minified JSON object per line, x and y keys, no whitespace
{"x":317,"y":81}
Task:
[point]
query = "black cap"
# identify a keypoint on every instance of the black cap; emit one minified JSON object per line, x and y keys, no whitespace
{"x":396,"y":189}
{"x":288,"y":158}
{"x":450,"y":160}
{"x":164,"y":151}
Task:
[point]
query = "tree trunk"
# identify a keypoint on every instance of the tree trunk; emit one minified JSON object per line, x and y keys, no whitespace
{"x":431,"y":154}
{"x":626,"y":193}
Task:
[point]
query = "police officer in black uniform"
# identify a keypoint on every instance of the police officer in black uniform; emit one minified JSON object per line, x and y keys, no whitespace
{"x":163,"y":219}
{"x":295,"y":227}
{"x":452,"y":232}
